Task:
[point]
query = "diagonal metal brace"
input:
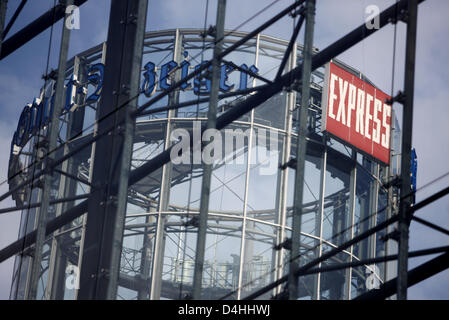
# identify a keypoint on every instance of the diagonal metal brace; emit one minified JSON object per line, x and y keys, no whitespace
{"x":400,"y":98}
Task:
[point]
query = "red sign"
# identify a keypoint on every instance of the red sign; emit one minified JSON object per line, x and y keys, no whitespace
{"x":356,"y":112}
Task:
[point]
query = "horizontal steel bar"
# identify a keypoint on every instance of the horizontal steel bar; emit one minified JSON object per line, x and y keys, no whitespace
{"x":414,"y":276}
{"x":35,"y":205}
{"x":340,"y":266}
{"x":53,"y":165}
{"x":431,"y":225}
{"x":249,"y":72}
{"x":71,"y":176}
{"x":53,"y":225}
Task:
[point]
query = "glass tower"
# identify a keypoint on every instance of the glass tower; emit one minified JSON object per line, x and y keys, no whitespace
{"x":251,"y":199}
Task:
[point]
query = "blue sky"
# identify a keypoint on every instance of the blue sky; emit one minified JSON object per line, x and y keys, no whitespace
{"x":20,"y":82}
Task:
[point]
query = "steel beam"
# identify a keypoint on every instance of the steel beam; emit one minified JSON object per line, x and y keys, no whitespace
{"x":407,"y":127}
{"x":290,"y":46}
{"x":207,"y":168}
{"x":431,"y":225}
{"x":35,"y":205}
{"x":369,"y":261}
{"x":301,"y":149}
{"x":68,"y":187}
{"x":3,"y":7}
{"x":164,"y":192}
{"x":414,"y":276}
{"x":13,"y":18}
{"x":52,"y":139}
{"x":282,"y":184}
{"x":111,"y":166}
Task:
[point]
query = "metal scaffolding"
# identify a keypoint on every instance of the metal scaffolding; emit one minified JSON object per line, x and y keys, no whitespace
{"x":116,"y":178}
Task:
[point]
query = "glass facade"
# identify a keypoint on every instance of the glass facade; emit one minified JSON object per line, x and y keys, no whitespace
{"x":251,"y":199}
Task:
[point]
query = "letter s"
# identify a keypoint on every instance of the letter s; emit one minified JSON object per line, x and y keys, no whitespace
{"x":386,"y":136}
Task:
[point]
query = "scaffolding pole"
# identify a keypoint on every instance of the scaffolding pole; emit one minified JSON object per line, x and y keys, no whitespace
{"x":207,"y":168}
{"x":51,"y":143}
{"x":233,"y":114}
{"x":407,"y":124}
{"x":301,"y":150}
{"x":111,"y":164}
{"x":3,"y":6}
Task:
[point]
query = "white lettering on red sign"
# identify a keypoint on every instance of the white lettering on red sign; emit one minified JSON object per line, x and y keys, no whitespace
{"x":356,"y":112}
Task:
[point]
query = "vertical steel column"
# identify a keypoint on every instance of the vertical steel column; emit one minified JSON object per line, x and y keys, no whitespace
{"x":320,"y":218}
{"x":164,"y":194}
{"x":407,"y":124}
{"x":3,"y":6}
{"x":91,"y":167}
{"x":52,"y":137}
{"x":67,"y":186}
{"x":207,"y":168}
{"x":147,"y":255}
{"x":283,"y":175}
{"x":107,"y":206}
{"x":251,"y":140}
{"x":374,"y":208}
{"x":352,"y":199}
{"x":243,"y":249}
{"x":391,"y":204}
{"x":301,"y":149}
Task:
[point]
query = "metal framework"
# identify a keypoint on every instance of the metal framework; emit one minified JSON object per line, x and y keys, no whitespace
{"x":123,"y":212}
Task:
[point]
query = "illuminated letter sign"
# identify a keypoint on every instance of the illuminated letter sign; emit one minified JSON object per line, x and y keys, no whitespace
{"x":356,"y":112}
